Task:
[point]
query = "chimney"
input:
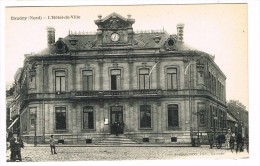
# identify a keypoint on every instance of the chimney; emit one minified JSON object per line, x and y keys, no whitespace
{"x":180,"y":28}
{"x":50,"y":35}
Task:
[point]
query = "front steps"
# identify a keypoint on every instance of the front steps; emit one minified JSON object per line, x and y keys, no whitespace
{"x":117,"y":140}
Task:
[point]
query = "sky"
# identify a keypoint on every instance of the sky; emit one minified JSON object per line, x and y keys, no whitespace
{"x":218,"y":29}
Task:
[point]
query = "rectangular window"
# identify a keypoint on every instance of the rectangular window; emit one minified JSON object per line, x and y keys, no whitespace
{"x":87,"y":77}
{"x":33,"y":114}
{"x":60,"y":81}
{"x":211,"y":117}
{"x":144,"y":82}
{"x":32,"y":83}
{"x":88,"y":117}
{"x":202,"y":119}
{"x":145,"y":116}
{"x":115,"y":79}
{"x":32,"y":122}
{"x":173,"y":115}
{"x":60,"y":118}
{"x":171,"y":78}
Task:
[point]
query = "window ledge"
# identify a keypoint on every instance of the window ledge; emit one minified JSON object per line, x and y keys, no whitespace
{"x":88,"y":130}
{"x":174,"y":128}
{"x":60,"y":130}
{"x":145,"y":128}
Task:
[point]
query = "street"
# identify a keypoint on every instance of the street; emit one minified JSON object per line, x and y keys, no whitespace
{"x":42,"y":153}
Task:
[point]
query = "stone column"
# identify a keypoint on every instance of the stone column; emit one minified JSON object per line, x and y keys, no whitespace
{"x":100,"y":66}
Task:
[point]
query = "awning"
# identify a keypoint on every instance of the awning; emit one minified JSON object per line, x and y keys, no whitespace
{"x":13,"y":123}
{"x":230,"y":118}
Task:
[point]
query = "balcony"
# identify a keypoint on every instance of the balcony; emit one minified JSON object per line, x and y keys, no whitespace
{"x":117,"y":93}
{"x":143,"y":93}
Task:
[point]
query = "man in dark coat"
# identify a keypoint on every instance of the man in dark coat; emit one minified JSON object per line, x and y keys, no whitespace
{"x":211,"y":138}
{"x":15,"y":146}
{"x":240,"y":142}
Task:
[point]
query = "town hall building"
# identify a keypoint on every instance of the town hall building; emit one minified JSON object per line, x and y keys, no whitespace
{"x":148,"y":86}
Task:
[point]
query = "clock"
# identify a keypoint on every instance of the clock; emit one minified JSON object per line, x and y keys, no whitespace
{"x":114,"y":37}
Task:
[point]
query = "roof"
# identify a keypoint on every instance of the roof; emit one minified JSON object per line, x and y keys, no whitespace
{"x":141,"y":40}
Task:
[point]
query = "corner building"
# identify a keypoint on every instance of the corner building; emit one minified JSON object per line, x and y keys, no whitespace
{"x":151,"y":83}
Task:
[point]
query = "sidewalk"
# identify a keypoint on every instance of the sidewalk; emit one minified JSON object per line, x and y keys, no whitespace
{"x":113,"y":145}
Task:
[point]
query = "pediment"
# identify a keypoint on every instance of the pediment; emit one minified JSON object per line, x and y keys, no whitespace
{"x":114,"y":21}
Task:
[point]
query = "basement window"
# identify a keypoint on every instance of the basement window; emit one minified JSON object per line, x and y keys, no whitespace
{"x":173,"y":139}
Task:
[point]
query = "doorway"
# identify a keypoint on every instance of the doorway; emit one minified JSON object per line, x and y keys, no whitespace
{"x":116,"y":119}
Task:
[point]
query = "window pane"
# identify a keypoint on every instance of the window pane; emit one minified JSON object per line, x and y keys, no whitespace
{"x":118,"y":83}
{"x":202,"y":119}
{"x":113,"y":82}
{"x":172,"y":70}
{"x":60,"y":73}
{"x":147,"y":82}
{"x":173,"y":116}
{"x":88,"y":118}
{"x":90,"y":82}
{"x":174,"y":81}
{"x":85,"y":120}
{"x":141,"y":82}
{"x":169,"y":81}
{"x":172,"y":78}
{"x":85,"y":82}
{"x":60,"y":115}
{"x":87,"y":78}
{"x":144,"y":71}
{"x":115,"y":72}
{"x":32,"y":84}
{"x":62,"y":84}
{"x":87,"y":72}
{"x":145,"y":116}
{"x":58,"y":88}
{"x":144,"y":79}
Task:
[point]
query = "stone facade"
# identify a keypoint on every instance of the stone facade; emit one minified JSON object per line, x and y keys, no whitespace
{"x":151,"y":83}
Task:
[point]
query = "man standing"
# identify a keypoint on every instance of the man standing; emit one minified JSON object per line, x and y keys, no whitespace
{"x":211,"y":138}
{"x":52,"y":145}
{"x":239,"y":140}
{"x":228,"y":135}
{"x":15,"y":147}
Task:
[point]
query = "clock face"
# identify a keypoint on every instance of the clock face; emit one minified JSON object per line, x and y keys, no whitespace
{"x":114,"y":37}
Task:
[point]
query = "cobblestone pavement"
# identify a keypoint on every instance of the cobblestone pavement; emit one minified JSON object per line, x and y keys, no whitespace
{"x":38,"y":154}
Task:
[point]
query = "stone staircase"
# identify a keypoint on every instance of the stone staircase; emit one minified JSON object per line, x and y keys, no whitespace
{"x":117,"y":140}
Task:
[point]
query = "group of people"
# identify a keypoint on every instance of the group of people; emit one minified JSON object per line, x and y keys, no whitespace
{"x":230,"y":139}
{"x":16,"y":144}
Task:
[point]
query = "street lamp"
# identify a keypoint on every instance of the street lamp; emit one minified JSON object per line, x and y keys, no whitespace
{"x":222,"y":124}
{"x":236,"y":125}
{"x":200,"y":66}
{"x":215,"y":118}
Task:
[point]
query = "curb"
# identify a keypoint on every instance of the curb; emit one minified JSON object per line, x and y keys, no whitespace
{"x":111,"y":145}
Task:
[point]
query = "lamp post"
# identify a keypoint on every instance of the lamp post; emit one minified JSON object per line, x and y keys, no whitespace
{"x":199,"y":62}
{"x":236,"y":125}
{"x":215,"y":118}
{"x":222,"y":124}
{"x":35,"y":134}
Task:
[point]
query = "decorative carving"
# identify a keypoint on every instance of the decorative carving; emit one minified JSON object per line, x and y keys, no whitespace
{"x":114,"y":23}
{"x":170,"y":42}
{"x":157,"y":38}
{"x":32,"y":69}
{"x":61,"y":47}
{"x":90,"y":44}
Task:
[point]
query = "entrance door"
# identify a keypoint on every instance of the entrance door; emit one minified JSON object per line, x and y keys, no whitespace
{"x":116,"y":119}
